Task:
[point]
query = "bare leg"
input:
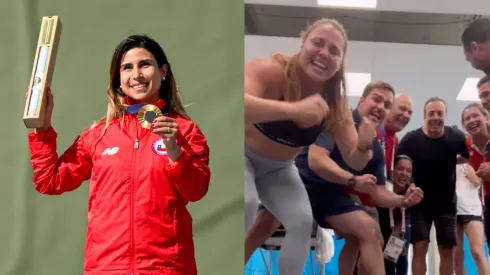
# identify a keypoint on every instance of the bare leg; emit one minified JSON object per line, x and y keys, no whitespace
{"x":365,"y":229}
{"x":264,"y":225}
{"x":459,"y":252}
{"x":445,"y":225}
{"x":420,"y":249}
{"x":362,"y":270}
{"x":474,"y":233}
{"x":446,"y":264}
{"x":348,"y":256}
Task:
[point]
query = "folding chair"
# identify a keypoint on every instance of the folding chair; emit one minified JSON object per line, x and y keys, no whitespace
{"x":274,"y":244}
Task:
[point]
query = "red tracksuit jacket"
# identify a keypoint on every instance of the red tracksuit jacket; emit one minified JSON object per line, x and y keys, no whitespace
{"x":137,"y":217}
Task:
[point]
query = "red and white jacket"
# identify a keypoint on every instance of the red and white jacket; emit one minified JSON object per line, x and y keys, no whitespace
{"x":476,"y":159}
{"x":137,"y":218}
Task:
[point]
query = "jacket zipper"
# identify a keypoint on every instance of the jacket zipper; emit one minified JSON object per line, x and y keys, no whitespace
{"x":132,"y":194}
{"x":132,"y":252}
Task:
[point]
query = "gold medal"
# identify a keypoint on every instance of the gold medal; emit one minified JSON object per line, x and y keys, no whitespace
{"x":147,"y":114}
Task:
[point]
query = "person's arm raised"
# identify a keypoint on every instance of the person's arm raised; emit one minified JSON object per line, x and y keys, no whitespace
{"x":264,"y":80}
{"x":355,"y":148}
{"x":53,"y":174}
{"x":261,"y":105}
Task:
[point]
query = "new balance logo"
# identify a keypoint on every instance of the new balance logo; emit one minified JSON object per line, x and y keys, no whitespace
{"x":110,"y":151}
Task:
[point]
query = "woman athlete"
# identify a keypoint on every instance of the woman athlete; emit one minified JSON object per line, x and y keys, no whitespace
{"x":289,"y":102}
{"x":141,"y":179}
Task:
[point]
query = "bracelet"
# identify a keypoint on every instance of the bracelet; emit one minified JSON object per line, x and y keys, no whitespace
{"x":403,"y":205}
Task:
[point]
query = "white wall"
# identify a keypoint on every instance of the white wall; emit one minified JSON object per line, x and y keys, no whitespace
{"x":421,"y":71}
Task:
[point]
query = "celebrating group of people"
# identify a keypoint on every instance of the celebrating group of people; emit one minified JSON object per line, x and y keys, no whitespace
{"x":309,"y":158}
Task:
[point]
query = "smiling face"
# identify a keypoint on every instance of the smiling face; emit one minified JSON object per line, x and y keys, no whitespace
{"x":400,"y":113}
{"x":322,"y":52}
{"x":402,"y":173}
{"x":435,"y":117}
{"x":474,"y":121}
{"x":376,"y":105}
{"x":140,"y":76}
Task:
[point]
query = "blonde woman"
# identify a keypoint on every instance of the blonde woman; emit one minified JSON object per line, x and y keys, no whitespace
{"x":141,"y":179}
{"x":289,"y":102}
{"x":470,"y":221}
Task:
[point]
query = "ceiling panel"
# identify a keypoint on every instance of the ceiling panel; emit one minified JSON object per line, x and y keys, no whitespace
{"x":426,"y":6}
{"x":361,"y":25}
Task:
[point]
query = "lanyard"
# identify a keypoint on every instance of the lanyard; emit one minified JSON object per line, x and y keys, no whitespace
{"x":392,"y":220}
{"x":485,"y":157}
{"x":382,"y":141}
{"x":383,"y":147}
{"x":485,"y":152}
{"x":393,"y":148}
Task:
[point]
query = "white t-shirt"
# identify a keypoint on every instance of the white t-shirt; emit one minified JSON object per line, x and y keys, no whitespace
{"x":468,"y":195}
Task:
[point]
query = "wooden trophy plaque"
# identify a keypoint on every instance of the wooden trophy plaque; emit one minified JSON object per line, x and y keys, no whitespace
{"x":42,"y":71}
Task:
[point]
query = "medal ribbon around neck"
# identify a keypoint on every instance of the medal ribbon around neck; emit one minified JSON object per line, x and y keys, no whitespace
{"x":146,"y":113}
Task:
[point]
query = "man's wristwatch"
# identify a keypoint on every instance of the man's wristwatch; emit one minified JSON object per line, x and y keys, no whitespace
{"x":351,"y":182}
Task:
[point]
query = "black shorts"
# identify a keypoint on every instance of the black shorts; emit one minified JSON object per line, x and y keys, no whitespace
{"x":422,"y":219}
{"x":329,"y":199}
{"x":464,"y":219}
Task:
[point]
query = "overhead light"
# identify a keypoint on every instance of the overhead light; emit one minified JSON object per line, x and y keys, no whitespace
{"x":349,"y":3}
{"x":469,"y":92}
{"x":356,"y":82}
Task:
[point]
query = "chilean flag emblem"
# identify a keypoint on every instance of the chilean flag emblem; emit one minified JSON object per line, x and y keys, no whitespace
{"x":158,"y":147}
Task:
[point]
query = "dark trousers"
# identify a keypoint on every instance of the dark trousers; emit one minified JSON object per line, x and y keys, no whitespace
{"x":400,"y":268}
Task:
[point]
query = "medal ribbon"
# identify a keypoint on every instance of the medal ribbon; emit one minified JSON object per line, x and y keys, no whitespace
{"x":134,"y":108}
